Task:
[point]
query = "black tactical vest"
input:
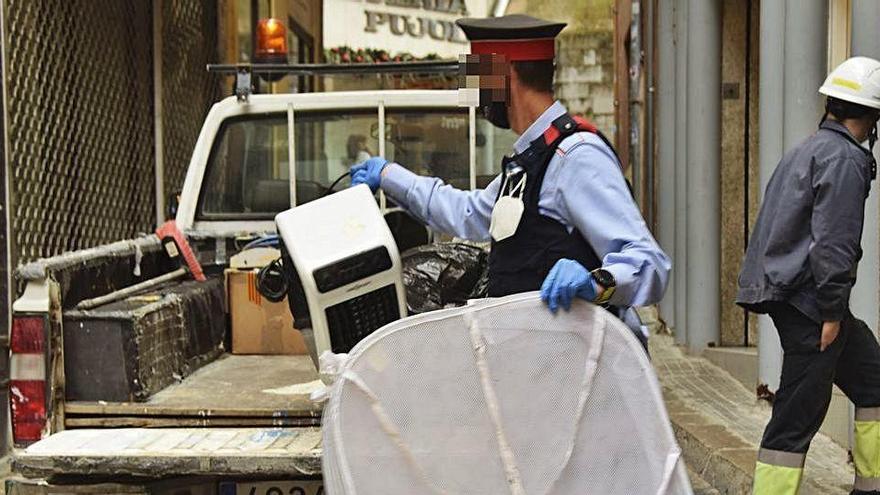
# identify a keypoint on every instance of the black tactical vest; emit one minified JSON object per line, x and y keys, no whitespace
{"x":521,"y":262}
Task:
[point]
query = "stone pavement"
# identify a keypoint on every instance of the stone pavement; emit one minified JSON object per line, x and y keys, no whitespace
{"x":699,"y":485}
{"x":719,"y":424}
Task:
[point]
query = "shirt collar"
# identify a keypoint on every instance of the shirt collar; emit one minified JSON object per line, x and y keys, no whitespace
{"x":834,"y":125}
{"x":538,"y":127}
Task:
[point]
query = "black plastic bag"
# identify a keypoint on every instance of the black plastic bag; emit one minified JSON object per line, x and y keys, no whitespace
{"x":444,"y":275}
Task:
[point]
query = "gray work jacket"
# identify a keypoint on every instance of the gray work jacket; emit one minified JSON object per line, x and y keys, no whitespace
{"x":805,"y":246}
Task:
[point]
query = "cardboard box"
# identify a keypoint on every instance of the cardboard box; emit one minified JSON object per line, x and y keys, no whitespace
{"x":259,"y":326}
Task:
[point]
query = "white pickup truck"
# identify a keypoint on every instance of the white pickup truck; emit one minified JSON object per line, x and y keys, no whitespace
{"x":142,"y":396}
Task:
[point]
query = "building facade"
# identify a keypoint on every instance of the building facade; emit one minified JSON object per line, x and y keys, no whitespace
{"x":737,"y":86}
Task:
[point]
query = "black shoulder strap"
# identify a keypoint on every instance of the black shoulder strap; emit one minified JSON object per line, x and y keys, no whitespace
{"x":566,"y":125}
{"x":545,"y":145}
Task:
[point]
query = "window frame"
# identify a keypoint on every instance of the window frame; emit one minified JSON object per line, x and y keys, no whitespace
{"x":438,"y":110}
{"x":228,"y":108}
{"x":209,"y":166}
{"x":382,"y":112}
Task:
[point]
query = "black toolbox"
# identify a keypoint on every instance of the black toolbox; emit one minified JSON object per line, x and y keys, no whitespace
{"x":130,"y":349}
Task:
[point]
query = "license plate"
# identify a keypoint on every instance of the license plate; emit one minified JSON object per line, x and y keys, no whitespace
{"x":304,"y":487}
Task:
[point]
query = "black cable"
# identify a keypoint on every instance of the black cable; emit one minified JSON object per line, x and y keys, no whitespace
{"x":335,"y":183}
{"x":271,"y":281}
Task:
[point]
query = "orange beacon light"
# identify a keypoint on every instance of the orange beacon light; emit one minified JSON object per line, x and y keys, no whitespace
{"x":271,"y":42}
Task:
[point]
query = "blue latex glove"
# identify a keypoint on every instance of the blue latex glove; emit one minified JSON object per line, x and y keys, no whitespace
{"x":567,"y":279}
{"x":368,"y":172}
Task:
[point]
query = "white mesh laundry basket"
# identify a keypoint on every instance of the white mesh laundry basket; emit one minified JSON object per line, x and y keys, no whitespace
{"x":500,"y":397}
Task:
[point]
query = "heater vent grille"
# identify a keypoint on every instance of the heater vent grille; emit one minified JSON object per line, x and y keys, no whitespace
{"x":352,"y":320}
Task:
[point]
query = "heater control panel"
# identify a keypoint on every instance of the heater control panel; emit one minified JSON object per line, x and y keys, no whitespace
{"x":352,"y":268}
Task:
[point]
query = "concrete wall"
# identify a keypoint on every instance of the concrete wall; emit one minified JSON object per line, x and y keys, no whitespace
{"x":585,"y":56}
{"x":585,"y":76}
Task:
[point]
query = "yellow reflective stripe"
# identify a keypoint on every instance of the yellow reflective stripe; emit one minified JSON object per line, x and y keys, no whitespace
{"x":866,"y":452}
{"x":846,"y":83}
{"x":776,"y":480}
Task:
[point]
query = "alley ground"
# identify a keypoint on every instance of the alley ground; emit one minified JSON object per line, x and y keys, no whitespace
{"x":718,"y":423}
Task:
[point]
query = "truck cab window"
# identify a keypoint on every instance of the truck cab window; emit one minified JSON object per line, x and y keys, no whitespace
{"x":248,"y":170}
{"x":430,"y":142}
{"x":248,"y":173}
{"x":328,"y":144}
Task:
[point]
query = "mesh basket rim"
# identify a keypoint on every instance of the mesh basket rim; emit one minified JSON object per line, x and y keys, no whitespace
{"x":612,"y":324}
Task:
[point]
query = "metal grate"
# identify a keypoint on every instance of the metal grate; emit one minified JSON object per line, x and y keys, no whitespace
{"x":80,"y":123}
{"x":189,"y":42}
{"x":352,"y":320}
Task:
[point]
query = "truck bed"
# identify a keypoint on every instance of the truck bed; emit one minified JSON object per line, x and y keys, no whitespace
{"x":231,"y":391}
{"x":156,"y":453}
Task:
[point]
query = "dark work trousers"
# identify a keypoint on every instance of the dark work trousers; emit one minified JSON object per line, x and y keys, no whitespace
{"x":852,"y":362}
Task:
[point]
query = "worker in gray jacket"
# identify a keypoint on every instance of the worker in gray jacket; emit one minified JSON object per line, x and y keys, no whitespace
{"x":800,"y":267}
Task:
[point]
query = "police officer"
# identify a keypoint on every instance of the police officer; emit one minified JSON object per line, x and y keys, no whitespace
{"x":560,"y":216}
{"x":800,"y":268}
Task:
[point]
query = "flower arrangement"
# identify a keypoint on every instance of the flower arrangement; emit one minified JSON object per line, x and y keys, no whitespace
{"x":348,"y":55}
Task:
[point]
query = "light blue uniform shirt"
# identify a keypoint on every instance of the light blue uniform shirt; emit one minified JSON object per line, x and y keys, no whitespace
{"x":583,"y":189}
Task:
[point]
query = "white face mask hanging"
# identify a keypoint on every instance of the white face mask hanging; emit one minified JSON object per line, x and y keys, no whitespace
{"x":508,"y":211}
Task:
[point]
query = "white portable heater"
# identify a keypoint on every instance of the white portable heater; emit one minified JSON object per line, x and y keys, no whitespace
{"x":348,"y":268}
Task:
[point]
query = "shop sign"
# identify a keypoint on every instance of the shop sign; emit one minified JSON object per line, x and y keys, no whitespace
{"x":417,"y":27}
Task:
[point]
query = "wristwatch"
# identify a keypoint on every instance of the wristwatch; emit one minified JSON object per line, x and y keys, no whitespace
{"x":606,"y":280}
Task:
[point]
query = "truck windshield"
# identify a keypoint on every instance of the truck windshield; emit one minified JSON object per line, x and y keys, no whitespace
{"x":248,"y":172}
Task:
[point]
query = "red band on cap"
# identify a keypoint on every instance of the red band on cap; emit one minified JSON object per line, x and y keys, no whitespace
{"x":517,"y":50}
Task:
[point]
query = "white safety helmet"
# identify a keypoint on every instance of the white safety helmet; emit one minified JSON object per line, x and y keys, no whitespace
{"x":857,"y":80}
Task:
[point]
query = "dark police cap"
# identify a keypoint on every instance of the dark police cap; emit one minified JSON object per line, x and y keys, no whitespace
{"x":519,"y":37}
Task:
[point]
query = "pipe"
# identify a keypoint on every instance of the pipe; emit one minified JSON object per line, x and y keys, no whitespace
{"x":291,"y":155}
{"x":770,"y":124}
{"x":635,"y":103}
{"x":865,"y":296}
{"x":681,"y":172}
{"x":794,"y":47}
{"x":747,"y":152}
{"x":666,"y":135}
{"x":805,"y":68}
{"x":649,"y":24}
{"x":158,"y":111}
{"x":132,"y":289}
{"x":703,"y":174}
{"x":9,"y":258}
